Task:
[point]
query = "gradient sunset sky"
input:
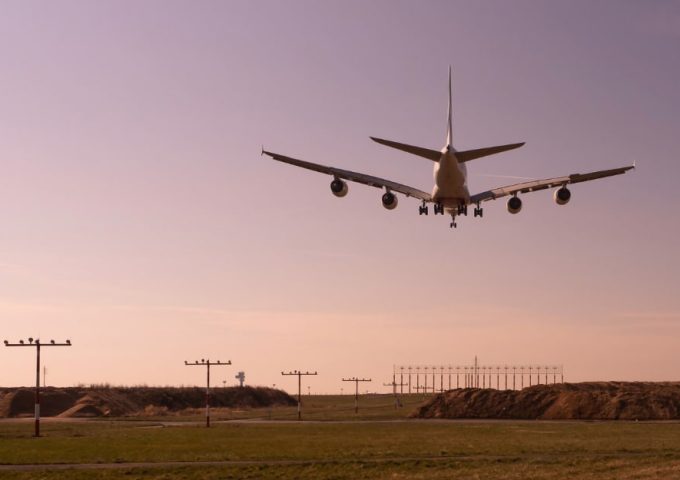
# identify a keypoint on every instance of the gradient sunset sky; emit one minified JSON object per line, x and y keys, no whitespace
{"x":139,"y":220}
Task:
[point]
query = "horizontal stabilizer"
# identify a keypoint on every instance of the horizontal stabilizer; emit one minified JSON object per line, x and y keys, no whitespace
{"x":484,"y":152}
{"x":433,"y":155}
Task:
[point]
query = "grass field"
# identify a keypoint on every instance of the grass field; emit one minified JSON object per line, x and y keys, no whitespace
{"x":381,"y":447}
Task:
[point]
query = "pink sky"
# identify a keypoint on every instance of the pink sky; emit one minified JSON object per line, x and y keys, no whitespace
{"x":139,"y":220}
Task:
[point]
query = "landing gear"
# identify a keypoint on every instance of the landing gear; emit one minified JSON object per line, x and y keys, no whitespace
{"x":479,"y":211}
{"x":453,"y":223}
{"x":423,"y":210}
{"x":438,"y":209}
{"x":462,"y":209}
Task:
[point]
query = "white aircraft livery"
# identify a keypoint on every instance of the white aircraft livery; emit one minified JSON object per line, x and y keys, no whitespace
{"x":450,"y":193}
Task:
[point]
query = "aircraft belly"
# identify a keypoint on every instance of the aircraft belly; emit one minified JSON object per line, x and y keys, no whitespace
{"x":450,"y":182}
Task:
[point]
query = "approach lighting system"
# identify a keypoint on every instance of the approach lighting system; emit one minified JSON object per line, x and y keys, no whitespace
{"x":207,"y":364}
{"x":36,"y":343}
{"x":299,"y":374}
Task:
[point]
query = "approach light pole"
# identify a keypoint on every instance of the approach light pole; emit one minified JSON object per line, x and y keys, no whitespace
{"x":394,"y":386}
{"x":356,"y":394}
{"x":207,"y":364}
{"x":409,"y":380}
{"x":299,"y":375}
{"x":36,"y":343}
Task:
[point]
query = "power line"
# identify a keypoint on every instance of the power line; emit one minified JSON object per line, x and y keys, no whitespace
{"x":207,"y":364}
{"x":356,"y":394}
{"x":299,"y":375}
{"x":36,"y":343}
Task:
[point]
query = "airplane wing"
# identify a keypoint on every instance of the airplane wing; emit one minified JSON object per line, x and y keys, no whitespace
{"x":354,"y":176}
{"x":535,"y":185}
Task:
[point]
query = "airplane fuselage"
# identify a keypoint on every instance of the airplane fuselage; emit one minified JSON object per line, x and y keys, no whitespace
{"x":450,"y":180}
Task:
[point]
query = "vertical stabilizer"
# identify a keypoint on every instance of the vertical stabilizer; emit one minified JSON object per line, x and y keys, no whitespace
{"x":449,"y":127}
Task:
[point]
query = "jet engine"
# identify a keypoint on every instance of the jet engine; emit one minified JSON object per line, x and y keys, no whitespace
{"x":390,"y":200}
{"x":562,"y":196}
{"x":514,"y":205}
{"x":339,"y":188}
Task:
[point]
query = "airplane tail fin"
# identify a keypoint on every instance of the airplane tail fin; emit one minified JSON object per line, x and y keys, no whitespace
{"x":449,"y":127}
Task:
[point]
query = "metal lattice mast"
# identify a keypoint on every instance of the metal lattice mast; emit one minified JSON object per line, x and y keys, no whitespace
{"x":207,"y":364}
{"x":36,"y":344}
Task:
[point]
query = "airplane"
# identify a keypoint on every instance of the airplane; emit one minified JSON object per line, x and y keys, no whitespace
{"x":450,"y":193}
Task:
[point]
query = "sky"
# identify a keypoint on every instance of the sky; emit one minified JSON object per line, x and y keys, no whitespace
{"x":139,"y":220}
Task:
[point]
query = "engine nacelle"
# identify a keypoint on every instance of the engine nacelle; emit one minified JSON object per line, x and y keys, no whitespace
{"x":562,"y":196}
{"x":339,"y":188}
{"x":514,"y":205}
{"x":390,"y":200}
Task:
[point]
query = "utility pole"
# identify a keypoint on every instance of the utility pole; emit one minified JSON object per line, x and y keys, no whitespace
{"x":36,"y":343}
{"x":299,"y":375}
{"x":356,"y":394}
{"x":207,"y":364}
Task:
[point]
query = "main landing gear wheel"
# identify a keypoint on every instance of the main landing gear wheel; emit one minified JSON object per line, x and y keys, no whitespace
{"x":479,"y":212}
{"x":423,"y":210}
{"x":438,"y":209}
{"x":462,"y":210}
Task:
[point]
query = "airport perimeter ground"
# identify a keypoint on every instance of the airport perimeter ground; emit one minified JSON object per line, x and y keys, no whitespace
{"x":334,"y":444}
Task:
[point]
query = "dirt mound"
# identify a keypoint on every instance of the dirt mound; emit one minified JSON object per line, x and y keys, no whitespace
{"x":21,"y":402}
{"x":81,"y":410}
{"x":587,"y":401}
{"x":133,"y":401}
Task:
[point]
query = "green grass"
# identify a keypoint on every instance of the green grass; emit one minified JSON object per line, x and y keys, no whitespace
{"x":325,"y":449}
{"x":314,"y":407}
{"x":97,"y":443}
